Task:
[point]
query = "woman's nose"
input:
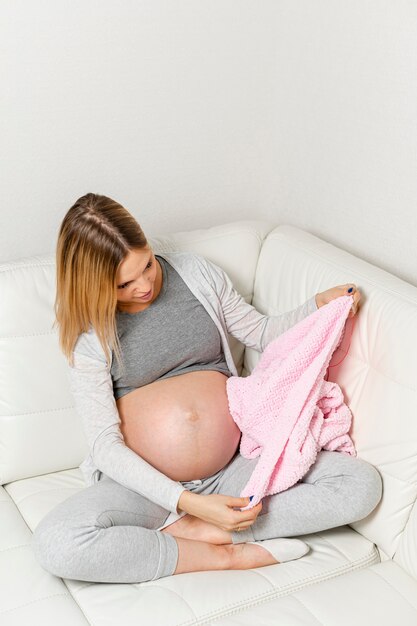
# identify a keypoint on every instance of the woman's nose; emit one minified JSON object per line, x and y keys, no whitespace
{"x":142,"y":287}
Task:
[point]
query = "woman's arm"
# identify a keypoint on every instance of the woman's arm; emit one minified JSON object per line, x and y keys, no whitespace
{"x":92,"y":389}
{"x":244,"y":322}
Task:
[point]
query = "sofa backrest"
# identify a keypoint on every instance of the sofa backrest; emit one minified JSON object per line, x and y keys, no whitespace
{"x":40,"y":431}
{"x":378,"y":377}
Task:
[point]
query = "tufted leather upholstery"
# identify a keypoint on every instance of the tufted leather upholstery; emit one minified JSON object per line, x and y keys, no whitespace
{"x":364,"y":573}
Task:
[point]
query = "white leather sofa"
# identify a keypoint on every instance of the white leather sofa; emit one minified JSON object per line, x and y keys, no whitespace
{"x":364,"y":573}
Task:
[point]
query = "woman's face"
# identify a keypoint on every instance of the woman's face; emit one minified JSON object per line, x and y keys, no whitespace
{"x":137,"y":274}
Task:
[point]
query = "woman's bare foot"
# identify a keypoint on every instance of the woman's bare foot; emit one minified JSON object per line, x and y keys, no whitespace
{"x":191,"y":527}
{"x":196,"y":556}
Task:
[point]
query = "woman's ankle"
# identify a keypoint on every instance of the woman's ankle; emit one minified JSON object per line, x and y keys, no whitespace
{"x":199,"y":556}
{"x":191,"y":527}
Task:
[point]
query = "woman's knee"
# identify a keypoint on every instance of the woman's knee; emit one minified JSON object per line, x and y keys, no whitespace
{"x":50,"y":543}
{"x":367,"y":489}
{"x":357,"y":482}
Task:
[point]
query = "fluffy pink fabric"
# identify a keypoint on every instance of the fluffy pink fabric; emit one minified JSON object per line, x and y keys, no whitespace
{"x":285,"y":409}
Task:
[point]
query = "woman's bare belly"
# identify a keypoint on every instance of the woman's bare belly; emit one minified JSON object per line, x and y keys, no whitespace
{"x":181,"y":425}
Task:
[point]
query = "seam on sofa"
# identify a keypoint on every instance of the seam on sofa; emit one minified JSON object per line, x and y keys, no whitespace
{"x":49,"y":332}
{"x":382,"y":466}
{"x":400,"y":480}
{"x":24,"y":265}
{"x":63,"y":408}
{"x":84,"y":613}
{"x":401,"y":533}
{"x":369,"y":559}
{"x":178,"y":596}
{"x":42,"y":491}
{"x":21,"y":606}
{"x":21,"y":545}
{"x":13,"y":503}
{"x":310,"y":611}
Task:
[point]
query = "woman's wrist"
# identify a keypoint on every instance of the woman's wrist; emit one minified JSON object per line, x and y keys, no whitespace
{"x":186,"y":502}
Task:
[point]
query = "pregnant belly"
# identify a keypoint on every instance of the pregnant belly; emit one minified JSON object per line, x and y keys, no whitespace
{"x":181,"y":425}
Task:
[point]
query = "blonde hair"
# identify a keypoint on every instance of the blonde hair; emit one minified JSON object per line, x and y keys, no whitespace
{"x":95,"y":236}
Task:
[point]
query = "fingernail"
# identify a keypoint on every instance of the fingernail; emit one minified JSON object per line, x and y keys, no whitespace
{"x":350,"y":290}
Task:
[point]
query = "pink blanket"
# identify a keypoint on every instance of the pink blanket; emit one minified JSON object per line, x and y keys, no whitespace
{"x":285,"y":408}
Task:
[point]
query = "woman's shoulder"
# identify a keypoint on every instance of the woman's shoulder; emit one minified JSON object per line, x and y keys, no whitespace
{"x":186,"y":258}
{"x":180,"y":256}
{"x":184,"y":261}
{"x":88,"y":344}
{"x":197,"y":267}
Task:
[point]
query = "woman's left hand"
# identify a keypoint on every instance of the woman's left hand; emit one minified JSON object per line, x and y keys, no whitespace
{"x":335,"y":292}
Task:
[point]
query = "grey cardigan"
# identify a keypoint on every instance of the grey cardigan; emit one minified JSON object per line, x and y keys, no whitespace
{"x":92,"y":387}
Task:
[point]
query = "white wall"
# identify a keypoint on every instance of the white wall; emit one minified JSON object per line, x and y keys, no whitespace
{"x":158,"y":104}
{"x":193,"y":113}
{"x":344,"y":161}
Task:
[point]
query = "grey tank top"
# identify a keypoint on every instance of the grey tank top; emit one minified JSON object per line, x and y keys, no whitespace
{"x":173,"y":335}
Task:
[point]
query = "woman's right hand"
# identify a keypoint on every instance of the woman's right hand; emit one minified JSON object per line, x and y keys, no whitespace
{"x":327,"y":296}
{"x":217,"y":509}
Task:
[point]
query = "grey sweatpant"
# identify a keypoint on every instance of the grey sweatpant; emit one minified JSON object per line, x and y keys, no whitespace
{"x":107,"y":533}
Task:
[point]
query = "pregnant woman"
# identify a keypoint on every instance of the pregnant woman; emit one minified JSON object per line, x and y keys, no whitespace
{"x":145,"y":336}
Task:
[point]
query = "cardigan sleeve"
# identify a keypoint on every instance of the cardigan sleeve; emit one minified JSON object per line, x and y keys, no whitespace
{"x":243,"y":321}
{"x":92,"y":389}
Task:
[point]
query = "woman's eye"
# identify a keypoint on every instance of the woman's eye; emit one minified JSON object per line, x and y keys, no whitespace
{"x":125,"y":284}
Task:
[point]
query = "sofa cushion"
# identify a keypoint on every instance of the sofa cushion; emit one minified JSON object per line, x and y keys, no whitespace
{"x":172,"y":600}
{"x":382,"y":594}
